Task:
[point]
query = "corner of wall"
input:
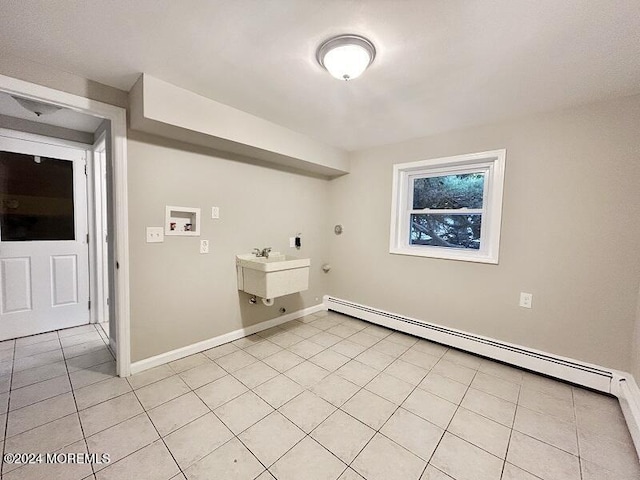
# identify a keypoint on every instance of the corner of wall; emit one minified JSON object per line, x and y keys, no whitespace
{"x":625,"y":388}
{"x":635,"y":346}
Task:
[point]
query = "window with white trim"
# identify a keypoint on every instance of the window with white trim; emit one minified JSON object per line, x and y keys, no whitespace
{"x":449,"y":207}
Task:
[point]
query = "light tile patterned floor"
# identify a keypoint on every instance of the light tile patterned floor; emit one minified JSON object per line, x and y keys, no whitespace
{"x":324,"y":397}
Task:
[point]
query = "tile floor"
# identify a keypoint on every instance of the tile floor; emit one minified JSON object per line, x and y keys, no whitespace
{"x":323,"y":397}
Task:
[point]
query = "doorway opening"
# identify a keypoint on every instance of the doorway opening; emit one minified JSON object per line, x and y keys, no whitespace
{"x":63,"y":215}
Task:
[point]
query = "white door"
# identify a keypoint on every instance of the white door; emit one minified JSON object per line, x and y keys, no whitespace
{"x":44,"y":267}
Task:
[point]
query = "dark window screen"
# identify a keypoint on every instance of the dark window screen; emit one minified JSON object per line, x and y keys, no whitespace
{"x":36,"y":198}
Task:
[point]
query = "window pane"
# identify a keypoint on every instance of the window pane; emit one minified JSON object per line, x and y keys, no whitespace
{"x":449,"y":191}
{"x":36,"y":198}
{"x":454,"y":231}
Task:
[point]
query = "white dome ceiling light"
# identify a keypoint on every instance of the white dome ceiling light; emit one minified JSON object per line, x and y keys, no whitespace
{"x":36,"y":107}
{"x":346,"y":56}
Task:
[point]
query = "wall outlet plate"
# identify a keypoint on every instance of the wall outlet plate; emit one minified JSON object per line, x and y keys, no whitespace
{"x":215,"y":212}
{"x":292,"y":242}
{"x":155,"y":234}
{"x":526,"y":300}
{"x":204,"y":246}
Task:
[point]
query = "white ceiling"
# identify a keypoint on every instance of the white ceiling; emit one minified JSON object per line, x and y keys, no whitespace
{"x":62,"y":118}
{"x":441,"y":64}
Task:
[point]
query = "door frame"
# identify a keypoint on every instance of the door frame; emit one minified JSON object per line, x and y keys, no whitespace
{"x":98,"y":251}
{"x":119,"y":195}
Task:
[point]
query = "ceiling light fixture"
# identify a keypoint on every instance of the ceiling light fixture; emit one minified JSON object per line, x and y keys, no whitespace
{"x":346,"y":56}
{"x":38,"y":108}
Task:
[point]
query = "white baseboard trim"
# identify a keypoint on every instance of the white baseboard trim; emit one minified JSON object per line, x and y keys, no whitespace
{"x":628,"y":393}
{"x":614,"y":382}
{"x":147,"y":363}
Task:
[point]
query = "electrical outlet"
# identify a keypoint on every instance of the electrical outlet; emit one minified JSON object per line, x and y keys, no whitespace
{"x":204,"y":246}
{"x":215,"y":212}
{"x":292,"y":242}
{"x":155,"y":234}
{"x":526,"y":299}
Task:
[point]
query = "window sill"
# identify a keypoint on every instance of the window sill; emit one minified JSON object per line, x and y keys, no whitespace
{"x":453,"y":254}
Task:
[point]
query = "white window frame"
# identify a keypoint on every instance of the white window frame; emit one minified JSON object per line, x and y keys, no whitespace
{"x":491,"y":164}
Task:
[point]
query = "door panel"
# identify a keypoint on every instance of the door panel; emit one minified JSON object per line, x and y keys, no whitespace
{"x":43,"y":237}
{"x":64,"y":280}
{"x":16,"y":285}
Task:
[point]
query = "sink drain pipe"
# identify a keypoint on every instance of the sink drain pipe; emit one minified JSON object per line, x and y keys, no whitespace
{"x":267,"y":301}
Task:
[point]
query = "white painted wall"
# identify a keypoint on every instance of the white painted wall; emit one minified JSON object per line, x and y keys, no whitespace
{"x":570,"y":230}
{"x":179,"y":296}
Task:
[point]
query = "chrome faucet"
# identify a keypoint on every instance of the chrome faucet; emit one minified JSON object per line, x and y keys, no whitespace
{"x":262,"y":253}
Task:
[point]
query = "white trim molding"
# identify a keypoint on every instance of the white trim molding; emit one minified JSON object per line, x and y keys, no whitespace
{"x":178,"y":353}
{"x":117,"y":116}
{"x":626,"y":389}
{"x":619,"y":384}
{"x":490,"y":165}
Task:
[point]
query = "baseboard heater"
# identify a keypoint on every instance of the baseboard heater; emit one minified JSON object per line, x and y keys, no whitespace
{"x":583,"y":374}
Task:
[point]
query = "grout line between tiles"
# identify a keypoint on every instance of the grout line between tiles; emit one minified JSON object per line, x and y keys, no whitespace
{"x":41,"y":380}
{"x":160,"y":436}
{"x":573,"y":403}
{"x":506,"y":453}
{"x":6,"y":420}
{"x":446,"y":429}
{"x":84,"y":438}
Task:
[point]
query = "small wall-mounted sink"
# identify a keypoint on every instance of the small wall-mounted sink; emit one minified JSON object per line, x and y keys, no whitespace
{"x":272,"y":277}
{"x":274,"y":263}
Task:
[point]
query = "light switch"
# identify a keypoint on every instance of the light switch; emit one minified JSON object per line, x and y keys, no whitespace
{"x":215,"y":212}
{"x":155,"y":234}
